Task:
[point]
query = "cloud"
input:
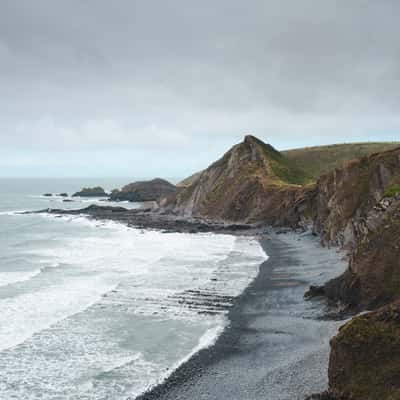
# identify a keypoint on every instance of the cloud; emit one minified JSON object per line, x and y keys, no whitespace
{"x":187,"y":76}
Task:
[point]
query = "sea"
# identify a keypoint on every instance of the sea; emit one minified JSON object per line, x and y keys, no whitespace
{"x":96,"y":310}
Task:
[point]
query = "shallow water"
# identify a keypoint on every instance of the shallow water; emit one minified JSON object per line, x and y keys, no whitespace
{"x":93,"y":310}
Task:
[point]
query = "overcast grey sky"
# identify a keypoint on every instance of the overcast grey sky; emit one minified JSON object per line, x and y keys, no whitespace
{"x":144,"y":88}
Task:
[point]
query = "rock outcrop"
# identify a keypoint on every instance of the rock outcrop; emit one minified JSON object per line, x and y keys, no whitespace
{"x":365,"y":357}
{"x":144,"y":191}
{"x":252,"y":182}
{"x":97,"y":191}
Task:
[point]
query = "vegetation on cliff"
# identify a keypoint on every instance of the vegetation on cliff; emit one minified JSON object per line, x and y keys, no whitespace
{"x":251,"y":182}
{"x":365,"y":357}
{"x":320,"y":160}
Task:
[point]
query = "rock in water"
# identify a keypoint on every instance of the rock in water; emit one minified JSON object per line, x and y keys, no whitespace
{"x":97,"y":191}
{"x":314,"y":291}
{"x":144,"y":191}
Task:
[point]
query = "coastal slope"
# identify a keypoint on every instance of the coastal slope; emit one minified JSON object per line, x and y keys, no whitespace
{"x":252,"y":182}
{"x":320,"y":160}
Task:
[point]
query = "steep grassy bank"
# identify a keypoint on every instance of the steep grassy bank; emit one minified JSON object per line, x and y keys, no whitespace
{"x":320,"y":160}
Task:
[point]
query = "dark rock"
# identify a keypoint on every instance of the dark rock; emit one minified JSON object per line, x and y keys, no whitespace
{"x":68,"y":201}
{"x":147,"y":219}
{"x":321,"y":396}
{"x":314,"y":291}
{"x":48,"y":194}
{"x":97,"y":191}
{"x":63,"y":194}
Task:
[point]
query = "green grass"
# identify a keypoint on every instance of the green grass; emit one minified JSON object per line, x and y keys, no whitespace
{"x":285,"y":169}
{"x":316,"y":161}
{"x":302,"y":166}
{"x":392,"y":191}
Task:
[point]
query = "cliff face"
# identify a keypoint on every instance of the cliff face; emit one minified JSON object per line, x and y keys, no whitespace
{"x":252,"y":182}
{"x":373,"y":276}
{"x":346,"y":196}
{"x":359,"y":207}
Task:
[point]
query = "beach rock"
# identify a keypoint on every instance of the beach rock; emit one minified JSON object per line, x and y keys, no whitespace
{"x":63,"y":194}
{"x":143,"y":191}
{"x":97,"y":191}
{"x":314,"y":291}
{"x":365,"y":357}
{"x":48,"y":194}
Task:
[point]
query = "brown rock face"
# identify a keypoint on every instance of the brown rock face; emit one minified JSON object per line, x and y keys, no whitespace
{"x":365,"y":357}
{"x":348,"y":194}
{"x":359,"y":207}
{"x":252,"y":182}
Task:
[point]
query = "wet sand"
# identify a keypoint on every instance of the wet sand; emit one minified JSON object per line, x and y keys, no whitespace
{"x":277,"y":345}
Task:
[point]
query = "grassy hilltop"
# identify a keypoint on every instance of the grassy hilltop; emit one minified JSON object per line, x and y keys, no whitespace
{"x":319,"y":160}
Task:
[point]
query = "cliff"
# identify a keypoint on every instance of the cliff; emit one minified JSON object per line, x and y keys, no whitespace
{"x":358,"y":207}
{"x":346,"y":196}
{"x":252,"y":182}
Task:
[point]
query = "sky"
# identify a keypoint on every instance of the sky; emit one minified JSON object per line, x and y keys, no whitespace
{"x":162,"y":88}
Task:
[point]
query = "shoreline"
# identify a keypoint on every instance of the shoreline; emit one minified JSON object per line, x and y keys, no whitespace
{"x":276,"y":344}
{"x":262,"y":354}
